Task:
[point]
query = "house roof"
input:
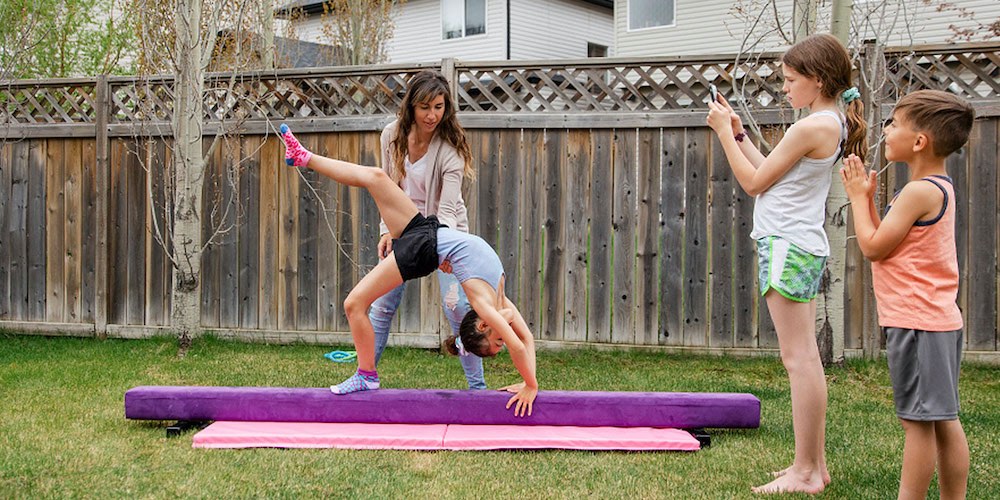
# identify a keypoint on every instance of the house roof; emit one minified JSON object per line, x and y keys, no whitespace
{"x":313,"y":7}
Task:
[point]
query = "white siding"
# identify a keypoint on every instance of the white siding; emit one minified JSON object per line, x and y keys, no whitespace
{"x":919,"y":24}
{"x":418,"y":35}
{"x":558,"y":29}
{"x":710,"y":26}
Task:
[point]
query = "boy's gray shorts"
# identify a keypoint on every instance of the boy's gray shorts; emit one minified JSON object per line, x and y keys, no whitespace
{"x":923,"y":367}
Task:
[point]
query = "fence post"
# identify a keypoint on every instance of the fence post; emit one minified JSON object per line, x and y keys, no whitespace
{"x":450,"y":74}
{"x":102,"y":146}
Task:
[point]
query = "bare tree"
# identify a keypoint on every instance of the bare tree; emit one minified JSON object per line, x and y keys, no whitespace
{"x":183,"y":38}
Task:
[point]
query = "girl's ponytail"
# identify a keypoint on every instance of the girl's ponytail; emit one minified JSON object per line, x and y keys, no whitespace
{"x":448,"y":345}
{"x":857,"y":129}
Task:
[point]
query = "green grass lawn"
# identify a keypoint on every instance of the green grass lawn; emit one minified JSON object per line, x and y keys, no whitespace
{"x":63,"y":431}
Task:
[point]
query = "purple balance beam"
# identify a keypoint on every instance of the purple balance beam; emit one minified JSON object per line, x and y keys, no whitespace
{"x":685,"y":410}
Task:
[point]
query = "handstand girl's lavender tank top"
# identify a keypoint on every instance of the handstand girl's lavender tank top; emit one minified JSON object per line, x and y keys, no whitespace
{"x":470,"y":256}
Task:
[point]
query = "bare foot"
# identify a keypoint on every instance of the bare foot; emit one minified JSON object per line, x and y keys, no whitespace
{"x":782,"y":472}
{"x":793,"y":482}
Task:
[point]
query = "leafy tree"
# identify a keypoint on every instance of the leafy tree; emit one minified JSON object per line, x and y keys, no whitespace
{"x":64,"y":38}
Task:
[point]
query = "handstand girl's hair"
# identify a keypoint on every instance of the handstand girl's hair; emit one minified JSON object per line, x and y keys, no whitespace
{"x":823,"y":57}
{"x":424,"y":87}
{"x":473,"y":340}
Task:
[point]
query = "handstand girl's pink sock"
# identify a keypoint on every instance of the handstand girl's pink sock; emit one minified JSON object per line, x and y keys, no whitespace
{"x":295,"y":154}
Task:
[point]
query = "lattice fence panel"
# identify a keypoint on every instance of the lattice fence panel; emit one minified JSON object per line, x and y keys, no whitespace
{"x":656,"y":86}
{"x":972,"y":74}
{"x":44,"y":103}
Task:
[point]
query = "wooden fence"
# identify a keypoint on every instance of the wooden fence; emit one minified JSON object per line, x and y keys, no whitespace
{"x":612,"y":207}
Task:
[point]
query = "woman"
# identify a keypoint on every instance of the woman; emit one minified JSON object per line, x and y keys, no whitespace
{"x":425,"y":152}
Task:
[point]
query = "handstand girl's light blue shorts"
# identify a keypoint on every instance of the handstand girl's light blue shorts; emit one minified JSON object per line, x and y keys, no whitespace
{"x":789,"y":270}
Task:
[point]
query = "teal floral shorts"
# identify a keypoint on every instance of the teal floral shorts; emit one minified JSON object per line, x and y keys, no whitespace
{"x":789,"y":270}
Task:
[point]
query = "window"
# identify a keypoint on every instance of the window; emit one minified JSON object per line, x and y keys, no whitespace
{"x":644,"y":14}
{"x":596,"y":50}
{"x":462,"y":18}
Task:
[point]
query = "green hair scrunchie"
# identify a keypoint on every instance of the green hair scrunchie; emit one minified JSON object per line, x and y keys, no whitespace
{"x":850,"y":95}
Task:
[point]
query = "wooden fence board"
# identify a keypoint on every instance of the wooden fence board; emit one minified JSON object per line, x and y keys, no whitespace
{"x":89,"y":228}
{"x":531,"y":230}
{"x":158,"y":269}
{"x":55,"y":241}
{"x":71,"y":228}
{"x":554,"y":242}
{"x":17,"y":228}
{"x":600,"y":202}
{"x":470,"y":188}
{"x":6,"y":165}
{"x":118,"y":242}
{"x":671,"y":236}
{"x":272,"y":162}
{"x":36,"y":230}
{"x":696,"y":239}
{"x":136,"y":199}
{"x":647,"y":252}
{"x":509,"y":196}
{"x":369,"y":210}
{"x":981,"y":311}
{"x":487,"y":191}
{"x":288,"y":248}
{"x":576,"y":207}
{"x":347,"y":270}
{"x":721,"y":216}
{"x":623,"y":231}
{"x":308,"y":215}
{"x":211,"y":203}
{"x":960,"y":167}
{"x":854,"y":293}
{"x":744,"y":270}
{"x":328,"y":248}
{"x":248,"y":226}
{"x":229,"y":263}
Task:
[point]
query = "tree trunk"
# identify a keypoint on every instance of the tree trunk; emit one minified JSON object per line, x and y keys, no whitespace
{"x":188,"y":168}
{"x":267,"y":34}
{"x":836,"y":226}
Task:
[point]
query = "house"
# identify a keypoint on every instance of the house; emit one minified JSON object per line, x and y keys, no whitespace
{"x":481,"y":30}
{"x":694,"y":27}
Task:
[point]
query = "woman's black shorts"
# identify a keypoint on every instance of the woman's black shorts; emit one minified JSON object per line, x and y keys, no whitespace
{"x":416,"y":249}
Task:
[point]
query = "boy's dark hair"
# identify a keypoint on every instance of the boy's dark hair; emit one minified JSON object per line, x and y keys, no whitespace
{"x":474,"y":340}
{"x":946,"y":117}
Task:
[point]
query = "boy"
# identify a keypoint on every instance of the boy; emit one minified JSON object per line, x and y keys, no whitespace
{"x":915,"y":276}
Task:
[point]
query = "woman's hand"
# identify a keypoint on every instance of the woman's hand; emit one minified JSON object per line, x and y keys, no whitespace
{"x":524,"y":399}
{"x":384,"y":246}
{"x":857,"y":182}
{"x":720,"y":119}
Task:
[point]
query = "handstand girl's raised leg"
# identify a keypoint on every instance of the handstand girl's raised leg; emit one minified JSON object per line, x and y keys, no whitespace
{"x":394,"y":206}
{"x":397,"y":210}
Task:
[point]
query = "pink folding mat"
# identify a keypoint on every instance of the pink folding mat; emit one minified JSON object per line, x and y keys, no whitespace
{"x":439,"y":437}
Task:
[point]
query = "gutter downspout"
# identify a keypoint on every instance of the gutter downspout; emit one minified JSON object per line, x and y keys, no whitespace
{"x":508,"y":30}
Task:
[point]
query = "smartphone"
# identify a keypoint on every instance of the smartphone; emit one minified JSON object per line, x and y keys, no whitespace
{"x":714,"y":92}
